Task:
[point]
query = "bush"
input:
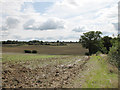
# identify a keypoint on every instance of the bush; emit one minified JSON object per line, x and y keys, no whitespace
{"x":34,"y":51}
{"x":98,"y":53}
{"x":114,"y":54}
{"x":27,"y":51}
{"x":87,"y":53}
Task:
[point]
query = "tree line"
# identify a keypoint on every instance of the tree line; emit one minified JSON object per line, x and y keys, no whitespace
{"x":22,"y":42}
{"x":32,"y":42}
{"x":94,"y":42}
{"x":37,"y":42}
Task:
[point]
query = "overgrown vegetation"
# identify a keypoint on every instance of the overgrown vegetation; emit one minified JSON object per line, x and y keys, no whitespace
{"x":107,"y":45}
{"x":99,"y":74}
{"x":114,"y":53}
{"x":92,"y":41}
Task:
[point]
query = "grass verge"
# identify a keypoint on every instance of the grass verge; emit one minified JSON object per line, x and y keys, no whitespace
{"x":100,"y":74}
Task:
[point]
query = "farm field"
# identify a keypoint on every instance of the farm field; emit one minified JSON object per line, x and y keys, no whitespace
{"x":59,"y":44}
{"x":57,"y":71}
{"x":69,"y":49}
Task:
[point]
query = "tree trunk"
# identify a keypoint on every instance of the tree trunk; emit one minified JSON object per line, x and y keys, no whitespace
{"x":90,"y":51}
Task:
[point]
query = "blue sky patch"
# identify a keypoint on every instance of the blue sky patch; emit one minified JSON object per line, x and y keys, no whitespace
{"x":39,"y":7}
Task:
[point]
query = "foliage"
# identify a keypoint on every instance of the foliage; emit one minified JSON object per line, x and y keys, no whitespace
{"x":98,"y":53}
{"x":92,"y":41}
{"x":58,"y":41}
{"x":27,"y":51}
{"x":114,"y":53}
{"x":107,"y":43}
{"x":9,"y":42}
{"x":33,"y":42}
{"x":87,"y":53}
{"x":34,"y":51}
{"x":98,"y":74}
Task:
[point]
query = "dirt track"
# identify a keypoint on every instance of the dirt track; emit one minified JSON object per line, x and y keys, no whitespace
{"x":17,"y":75}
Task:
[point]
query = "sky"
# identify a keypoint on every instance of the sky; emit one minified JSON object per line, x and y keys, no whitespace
{"x":53,"y":20}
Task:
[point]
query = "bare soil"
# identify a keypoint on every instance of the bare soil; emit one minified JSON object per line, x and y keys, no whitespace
{"x":19,"y":75}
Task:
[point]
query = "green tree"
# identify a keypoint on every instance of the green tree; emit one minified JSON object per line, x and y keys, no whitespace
{"x":107,"y":42}
{"x":114,"y":53}
{"x":92,"y":41}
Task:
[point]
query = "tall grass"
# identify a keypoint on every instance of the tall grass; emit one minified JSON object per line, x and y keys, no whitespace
{"x":99,"y":75}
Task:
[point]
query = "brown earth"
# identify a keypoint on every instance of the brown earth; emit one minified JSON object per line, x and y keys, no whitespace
{"x":18,"y":75}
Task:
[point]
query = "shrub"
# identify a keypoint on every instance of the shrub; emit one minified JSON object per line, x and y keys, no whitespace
{"x":114,"y":54}
{"x":87,"y":53}
{"x":98,"y":53}
{"x":34,"y":51}
{"x":27,"y":51}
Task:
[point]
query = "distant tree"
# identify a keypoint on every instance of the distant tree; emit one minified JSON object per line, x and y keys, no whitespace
{"x":41,"y":42}
{"x":58,"y":41}
{"x":92,"y":41}
{"x":9,"y":42}
{"x":3,"y":42}
{"x":61,"y":43}
{"x":107,"y":42}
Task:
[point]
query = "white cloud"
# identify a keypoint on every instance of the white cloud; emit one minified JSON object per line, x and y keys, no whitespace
{"x":79,"y":29}
{"x":67,"y":9}
{"x":115,"y":25}
{"x":10,"y":23}
{"x":61,"y":19}
{"x":49,"y":24}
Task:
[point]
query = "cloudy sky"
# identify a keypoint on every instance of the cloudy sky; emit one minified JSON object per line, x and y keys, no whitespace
{"x":53,"y":20}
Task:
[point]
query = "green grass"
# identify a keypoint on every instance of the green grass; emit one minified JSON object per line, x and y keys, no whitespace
{"x":24,"y":57}
{"x":98,"y":75}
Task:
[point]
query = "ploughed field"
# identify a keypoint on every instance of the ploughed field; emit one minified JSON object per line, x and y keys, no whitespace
{"x":41,"y":71}
{"x":55,"y":67}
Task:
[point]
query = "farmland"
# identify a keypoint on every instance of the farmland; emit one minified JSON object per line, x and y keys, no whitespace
{"x":69,"y":49}
{"x":56,"y":67}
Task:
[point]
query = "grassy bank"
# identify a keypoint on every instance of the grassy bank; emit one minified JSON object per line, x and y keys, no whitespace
{"x":100,"y":74}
